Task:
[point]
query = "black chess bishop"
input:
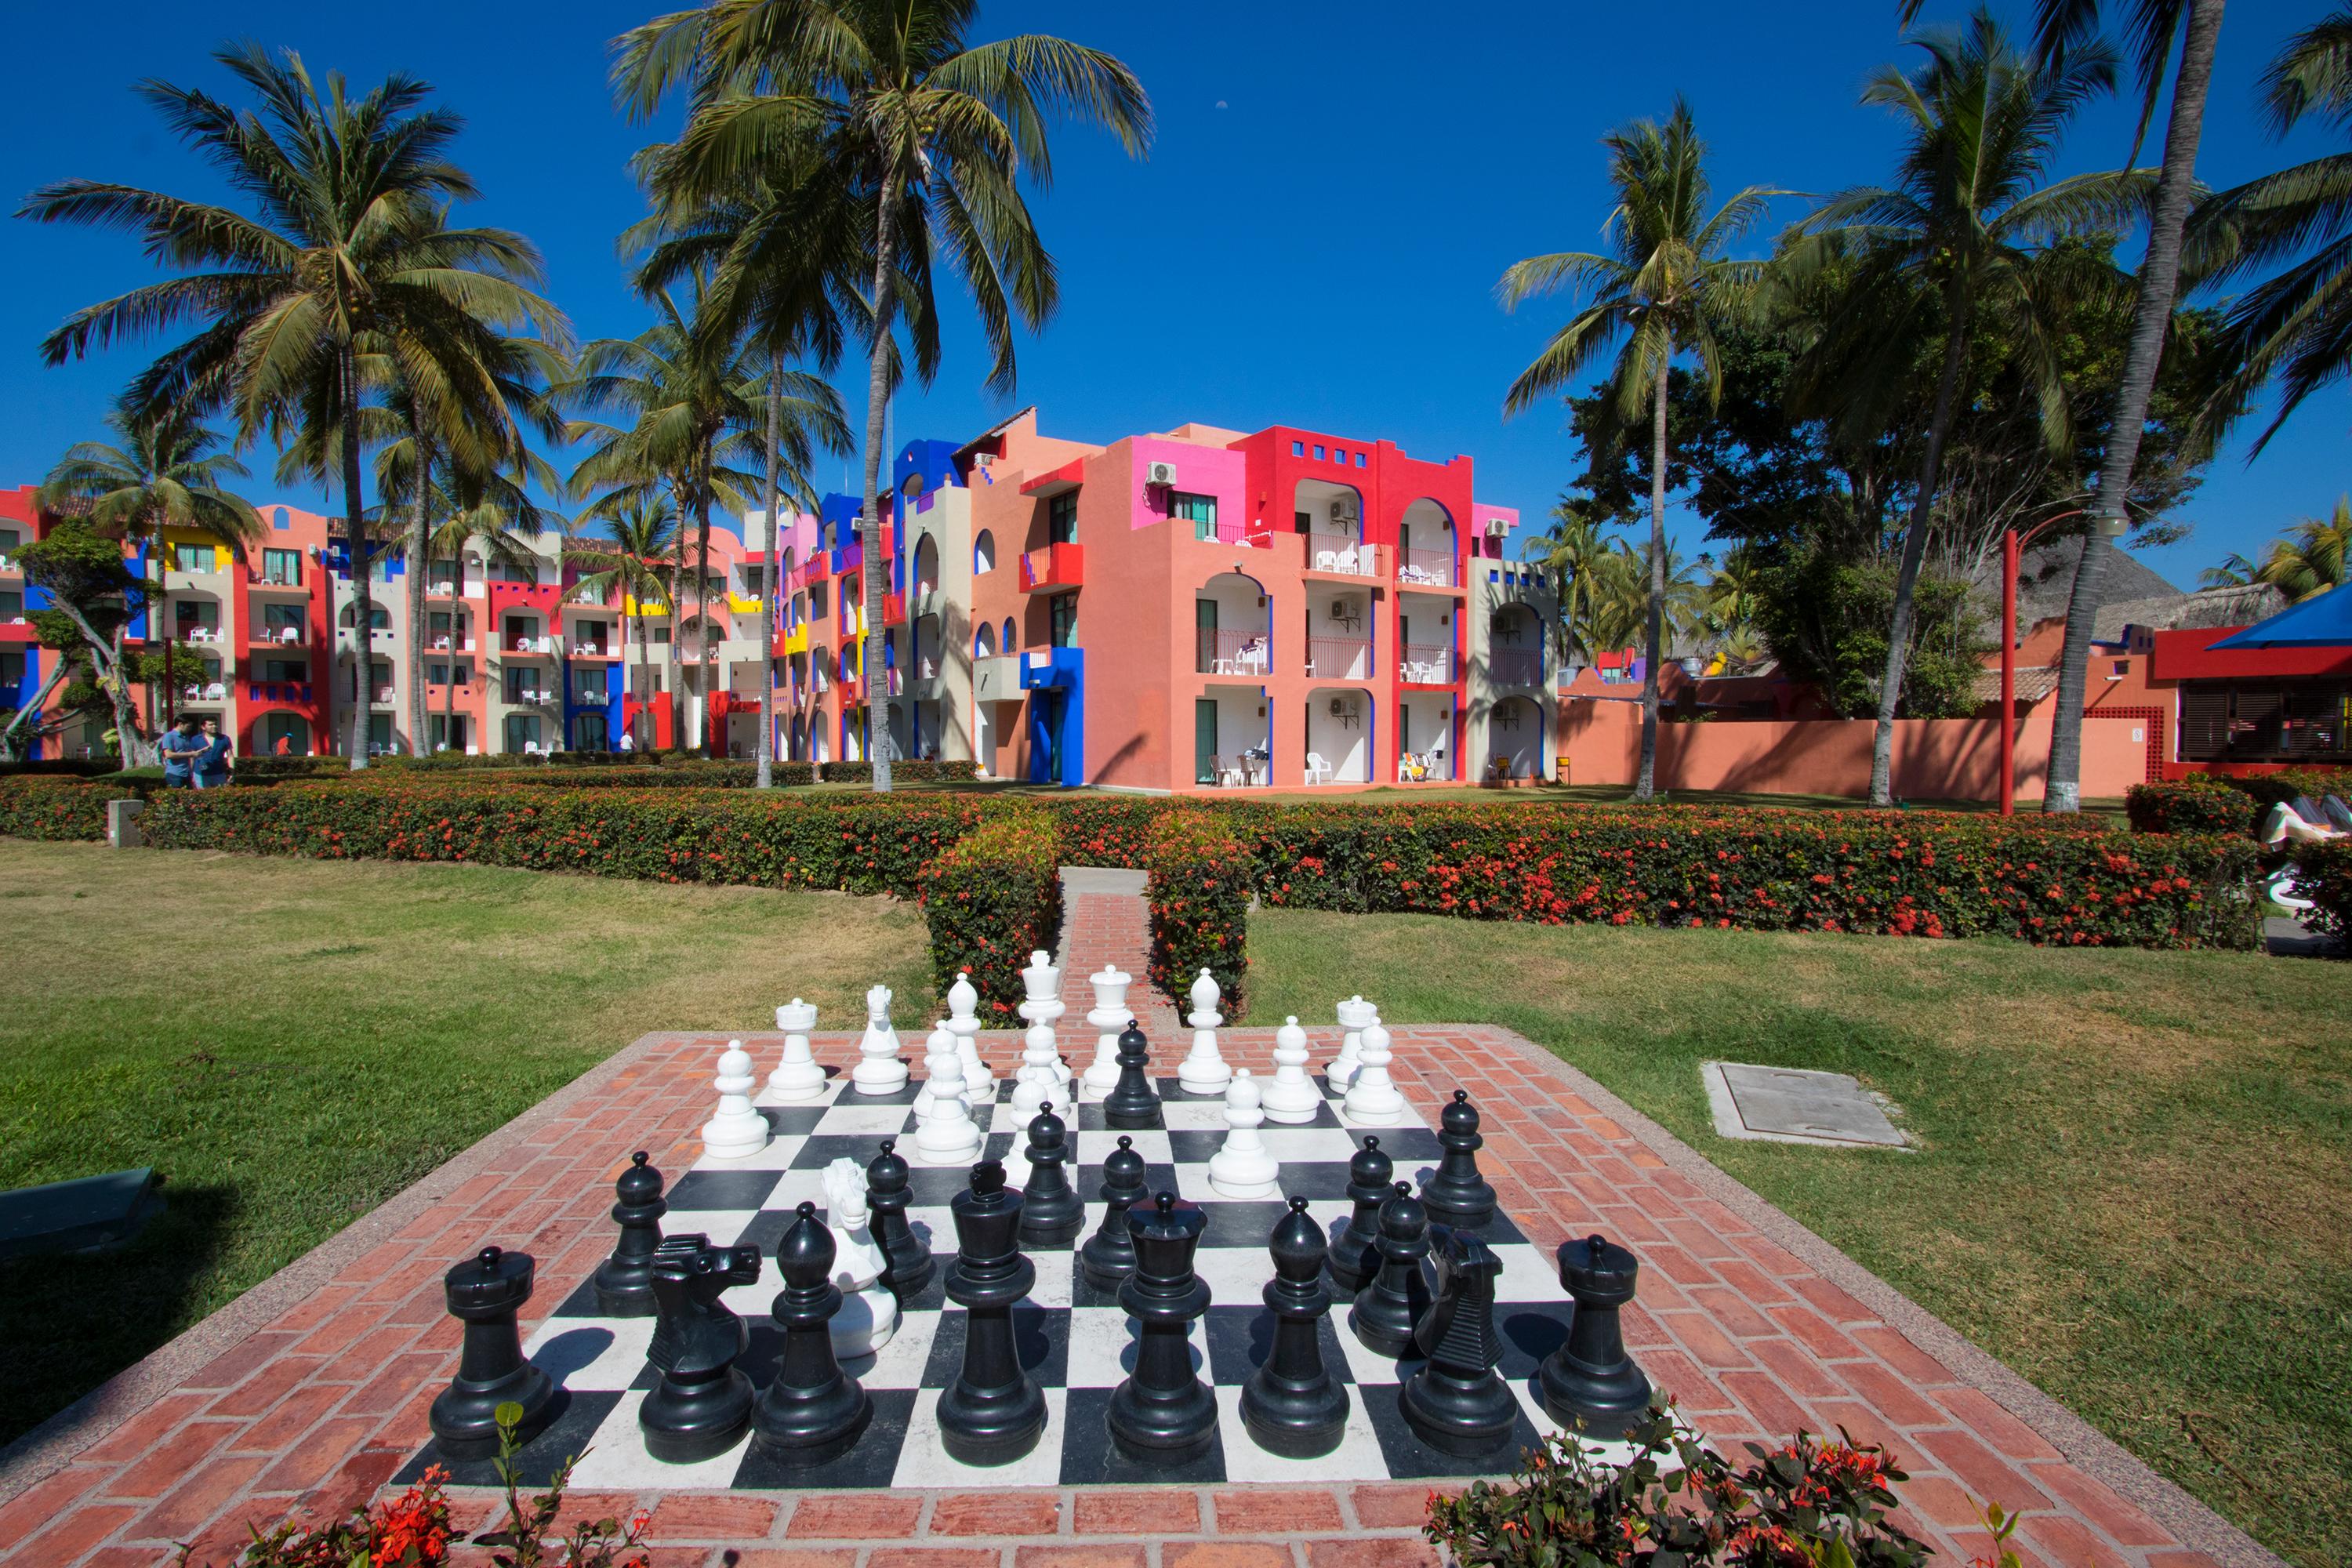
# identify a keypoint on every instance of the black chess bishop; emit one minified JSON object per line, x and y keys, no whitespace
{"x":1292,"y":1405}
{"x":810,"y":1410}
{"x":1455,"y":1194}
{"x":1164,"y":1415}
{"x":1454,"y":1402}
{"x":1109,"y":1255}
{"x":702,"y":1404}
{"x":484,"y":1293}
{"x":993,"y":1413}
{"x":1589,"y":1384}
{"x":909,"y":1265}
{"x":1132,"y":1104}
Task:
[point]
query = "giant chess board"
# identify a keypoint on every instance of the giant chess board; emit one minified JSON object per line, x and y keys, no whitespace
{"x":1075,"y":1341}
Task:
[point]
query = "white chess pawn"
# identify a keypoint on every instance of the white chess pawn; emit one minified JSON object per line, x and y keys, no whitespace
{"x":1242,"y":1168}
{"x":869,"y":1314}
{"x":949,"y":1136}
{"x":1205,"y":1071}
{"x":736,"y":1129}
{"x":1355,"y":1016}
{"x":941,"y":1043}
{"x":963,"y":1020}
{"x":879,"y":1068}
{"x":797,"y":1077}
{"x":1372,"y":1100}
{"x":1107,"y":1019}
{"x":1292,"y":1096}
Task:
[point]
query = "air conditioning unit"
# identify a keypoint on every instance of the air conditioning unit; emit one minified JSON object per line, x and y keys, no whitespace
{"x":1496,"y":527}
{"x":1343,"y":510}
{"x":1338,"y":707}
{"x":1159,"y":474}
{"x":986,"y":459}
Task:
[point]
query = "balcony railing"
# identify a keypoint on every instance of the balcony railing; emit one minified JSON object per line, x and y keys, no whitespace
{"x":1432,"y":567}
{"x":1429,"y":664}
{"x":1335,"y":555}
{"x":592,"y":650}
{"x":1243,"y":653}
{"x":538,"y":644}
{"x":274,"y":576}
{"x":1516,"y":666}
{"x":591,"y":697}
{"x":279,"y":636}
{"x":1055,"y":567}
{"x":441,"y":642}
{"x":207,"y":691}
{"x":193,"y":632}
{"x":380,"y":696}
{"x":277,"y":691}
{"x":1340,"y":658}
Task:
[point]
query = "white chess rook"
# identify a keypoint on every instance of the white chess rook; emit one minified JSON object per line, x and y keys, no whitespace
{"x":879,"y":1068}
{"x":1292,"y":1096}
{"x":963,"y":1020}
{"x":949,"y":1137}
{"x":736,"y":1129}
{"x":1109,"y":1016}
{"x":869,"y":1314}
{"x":1205,"y":1071}
{"x":1242,"y":1168}
{"x":1372,"y":1099}
{"x":1355,"y":1014}
{"x":797,"y":1077}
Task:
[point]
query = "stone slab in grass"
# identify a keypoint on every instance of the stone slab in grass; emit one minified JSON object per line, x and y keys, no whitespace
{"x":1795,"y":1105}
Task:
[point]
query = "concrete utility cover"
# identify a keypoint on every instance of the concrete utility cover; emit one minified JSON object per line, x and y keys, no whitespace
{"x":1792,"y":1105}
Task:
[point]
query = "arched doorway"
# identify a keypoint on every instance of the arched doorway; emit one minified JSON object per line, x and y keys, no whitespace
{"x":1426,"y":545}
{"x":1339,"y":736}
{"x":1516,"y":742}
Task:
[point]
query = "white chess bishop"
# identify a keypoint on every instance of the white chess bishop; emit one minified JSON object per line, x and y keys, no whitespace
{"x":1107,"y":1019}
{"x":736,"y":1130}
{"x":1372,"y":1100}
{"x":879,"y":1068}
{"x":869,"y":1314}
{"x":1292,"y":1096}
{"x":1204,"y":1070}
{"x":963,"y":1021}
{"x":797,"y":1077}
{"x":948,"y":1136}
{"x":1242,"y":1168}
{"x":1041,"y":1076}
{"x":1356,"y":1016}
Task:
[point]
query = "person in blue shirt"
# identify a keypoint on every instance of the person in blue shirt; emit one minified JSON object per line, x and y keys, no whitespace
{"x":182,"y":747}
{"x":212,"y":763}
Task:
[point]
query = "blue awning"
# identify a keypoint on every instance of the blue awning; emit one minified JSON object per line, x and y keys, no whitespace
{"x":2324,"y":620}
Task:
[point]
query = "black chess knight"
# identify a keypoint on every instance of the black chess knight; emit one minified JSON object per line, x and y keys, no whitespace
{"x":993,"y":1413}
{"x":1589,"y":1384}
{"x":484,"y":1293}
{"x":1455,"y":1404}
{"x":703,"y":1402}
{"x":625,"y":1281}
{"x":909,"y":1261}
{"x":1164,"y":1415}
{"x":811,"y":1411}
{"x":1292,"y":1405}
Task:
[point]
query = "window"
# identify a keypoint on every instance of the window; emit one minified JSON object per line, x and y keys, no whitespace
{"x":661,"y":635}
{"x":516,"y":572}
{"x":755,"y":579}
{"x":437,"y":622}
{"x":983,"y":554}
{"x":1062,"y":519}
{"x":589,"y":687}
{"x":12,"y":668}
{"x":590,"y":734}
{"x":522,"y":731}
{"x":285,"y":670}
{"x":441,"y":577}
{"x":186,"y":615}
{"x":1298,"y":449}
{"x":380,"y":732}
{"x":448,"y":731}
{"x":12,"y":603}
{"x":1201,"y":510}
{"x":1319,"y":454}
{"x":379,"y":617}
{"x":191,"y":558}
{"x":282,"y":568}
{"x":817,"y":611}
{"x":522,"y":685}
{"x":983,"y":643}
{"x":1062,"y":610}
{"x":2277,"y":723}
{"x":1012,"y":636}
{"x":1360,"y":460}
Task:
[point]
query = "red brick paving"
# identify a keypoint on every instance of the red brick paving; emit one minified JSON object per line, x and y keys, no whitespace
{"x":317,"y":1409}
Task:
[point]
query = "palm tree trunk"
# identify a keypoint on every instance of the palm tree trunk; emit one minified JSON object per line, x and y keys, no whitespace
{"x":420,"y":534}
{"x":1915,"y":539}
{"x":702,"y":611}
{"x":878,"y":408}
{"x":2160,"y":281}
{"x":767,"y":778}
{"x":1646,"y":782}
{"x":677,"y":680}
{"x":355,"y":530}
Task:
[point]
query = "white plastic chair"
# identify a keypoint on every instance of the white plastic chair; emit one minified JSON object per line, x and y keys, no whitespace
{"x":2283,"y":824}
{"x":1318,"y":769}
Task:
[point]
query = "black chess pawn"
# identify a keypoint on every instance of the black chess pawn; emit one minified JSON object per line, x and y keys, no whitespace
{"x":1108,"y":1256}
{"x":1164,"y":1415}
{"x":484,"y":1293}
{"x":1455,"y":1194}
{"x":703,"y":1402}
{"x":993,"y":1413}
{"x":1292,"y":1405}
{"x":908,"y":1262}
{"x":1455,"y":1404}
{"x":1356,"y":1239}
{"x":1132,"y":1103}
{"x":625,"y":1281}
{"x":1052,"y":1212}
{"x":1589,"y":1384}
{"x":811,"y":1411}
{"x":1386,"y":1310}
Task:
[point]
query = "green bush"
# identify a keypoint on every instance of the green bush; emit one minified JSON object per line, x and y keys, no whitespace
{"x":59,"y":767}
{"x":1198,"y":893}
{"x":2201,"y":803}
{"x":2280,"y":787}
{"x":2323,"y":873}
{"x":54,"y":808}
{"x":991,"y":899}
{"x":276,"y":767}
{"x":905,"y":769}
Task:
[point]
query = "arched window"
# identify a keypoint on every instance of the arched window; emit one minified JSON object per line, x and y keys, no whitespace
{"x":378,"y":617}
{"x":984,"y":552}
{"x":1012,"y":636}
{"x":985,"y":644}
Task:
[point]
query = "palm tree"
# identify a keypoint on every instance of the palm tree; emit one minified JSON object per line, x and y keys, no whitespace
{"x":1666,"y":286}
{"x":494,"y":515}
{"x":2309,"y":561}
{"x":343,"y":255}
{"x":165,"y":473}
{"x":638,"y":562}
{"x":930,"y":133}
{"x":2060,"y":26}
{"x":2235,"y":572}
{"x":1573,"y":547}
{"x":1964,"y":238}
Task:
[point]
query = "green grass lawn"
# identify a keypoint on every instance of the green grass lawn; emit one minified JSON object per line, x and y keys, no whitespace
{"x":292,"y":1042}
{"x":2134,"y":1170}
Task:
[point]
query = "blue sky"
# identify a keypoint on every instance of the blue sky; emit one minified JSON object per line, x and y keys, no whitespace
{"x":1313,"y":240}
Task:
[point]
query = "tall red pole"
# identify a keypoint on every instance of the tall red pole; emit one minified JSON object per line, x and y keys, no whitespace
{"x":2009,"y":672}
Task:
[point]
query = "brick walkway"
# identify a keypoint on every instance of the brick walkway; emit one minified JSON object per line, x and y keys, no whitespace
{"x":1102,"y":926}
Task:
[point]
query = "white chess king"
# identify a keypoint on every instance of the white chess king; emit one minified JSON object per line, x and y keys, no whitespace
{"x":1041,"y":1076}
{"x":1107,"y":1019}
{"x":879,"y":1068}
{"x":797,"y":1077}
{"x":869,"y":1314}
{"x":736,"y":1130}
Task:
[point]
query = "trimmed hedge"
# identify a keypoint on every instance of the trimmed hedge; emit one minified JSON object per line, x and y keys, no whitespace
{"x":2201,"y":804}
{"x":2323,"y":873}
{"x":990,"y":902}
{"x":60,"y":767}
{"x":1110,"y":829}
{"x":908,"y":769}
{"x":1198,"y":892}
{"x":54,"y":808}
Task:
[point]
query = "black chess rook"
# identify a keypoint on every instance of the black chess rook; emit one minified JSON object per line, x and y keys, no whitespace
{"x":1164,"y":1415}
{"x":1108,"y":1256}
{"x":1292,"y":1405}
{"x":993,"y":1413}
{"x":1386,"y":1310}
{"x":1354,"y":1254}
{"x":1589,"y":1384}
{"x":1133,"y":1105}
{"x":1455,"y":1194}
{"x":1455,"y":1403}
{"x":810,"y":1410}
{"x":1052,"y":1212}
{"x":907,"y":1266}
{"x":625,"y":1281}
{"x":702,"y":1404}
{"x":484,"y":1293}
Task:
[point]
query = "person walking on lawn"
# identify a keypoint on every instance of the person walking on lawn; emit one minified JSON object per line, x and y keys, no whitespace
{"x":212,"y":763}
{"x":181,"y":748}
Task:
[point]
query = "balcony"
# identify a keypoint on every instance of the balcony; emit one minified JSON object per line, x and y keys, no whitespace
{"x":996,"y":679}
{"x":594,"y":650}
{"x":277,"y":691}
{"x":206,"y":691}
{"x":1246,"y":654}
{"x":591,"y":696}
{"x":197,"y":634}
{"x":792,"y":642}
{"x":535,"y":647}
{"x":894,"y":609}
{"x":1431,"y":664}
{"x":287,"y":578}
{"x":1514,"y":666}
{"x":442,"y":642}
{"x":279,"y":636}
{"x":380,"y":696}
{"x":1333,"y":555}
{"x":1340,"y":658}
{"x":542,"y":696}
{"x":1426,"y":569}
{"x":1056,"y":567}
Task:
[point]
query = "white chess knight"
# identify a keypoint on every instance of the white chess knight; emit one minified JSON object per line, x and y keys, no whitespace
{"x":1107,"y":1019}
{"x":1205,"y":1071}
{"x":736,"y":1129}
{"x":1292,"y":1096}
{"x":797,"y":1077}
{"x":879,"y":1068}
{"x":869,"y":1314}
{"x":1372,"y":1099}
{"x":1041,"y":1076}
{"x":948,"y":1136}
{"x":941,"y":1043}
{"x":1356,"y":1016}
{"x":1242,"y":1168}
{"x":963,"y":1022}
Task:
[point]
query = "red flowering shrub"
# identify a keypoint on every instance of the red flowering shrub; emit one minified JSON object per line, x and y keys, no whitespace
{"x":33,"y":806}
{"x":412,"y":1530}
{"x":1108,"y":829}
{"x":2323,"y":873}
{"x":907,"y":770}
{"x":991,"y":899}
{"x":1198,"y":895}
{"x":2200,"y":804}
